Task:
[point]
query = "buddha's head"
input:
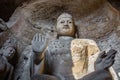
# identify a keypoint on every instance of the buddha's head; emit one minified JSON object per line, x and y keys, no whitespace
{"x":9,"y":48}
{"x":65,"y":25}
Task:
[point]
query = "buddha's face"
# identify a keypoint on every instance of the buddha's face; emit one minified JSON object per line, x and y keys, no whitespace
{"x":8,"y":52}
{"x":65,"y":26}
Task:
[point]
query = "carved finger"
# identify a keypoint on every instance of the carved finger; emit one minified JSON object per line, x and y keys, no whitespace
{"x":102,"y":55}
{"x":43,"y":38}
{"x":111,"y":52}
{"x":112,"y":55}
{"x":34,"y":37}
{"x":111,"y":63}
{"x":109,"y":60}
{"x":37,"y":37}
{"x":40,"y":37}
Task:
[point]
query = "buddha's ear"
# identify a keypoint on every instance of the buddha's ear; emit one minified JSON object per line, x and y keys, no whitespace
{"x":76,"y":34}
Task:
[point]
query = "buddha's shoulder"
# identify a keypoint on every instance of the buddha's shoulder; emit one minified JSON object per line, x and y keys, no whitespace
{"x":84,"y":41}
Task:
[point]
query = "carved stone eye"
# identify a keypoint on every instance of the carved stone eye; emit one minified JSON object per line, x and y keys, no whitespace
{"x":11,"y":50}
{"x":70,"y":22}
{"x":52,"y":30}
{"x":62,"y":21}
{"x":25,"y":58}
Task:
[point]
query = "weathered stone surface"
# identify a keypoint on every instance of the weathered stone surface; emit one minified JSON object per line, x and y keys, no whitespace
{"x":24,"y":67}
{"x":83,"y":53}
{"x":95,"y":25}
{"x":95,"y":19}
{"x":98,"y":24}
{"x":112,"y":41}
{"x":23,"y":31}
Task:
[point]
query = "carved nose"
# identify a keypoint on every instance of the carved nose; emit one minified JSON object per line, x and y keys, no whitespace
{"x":65,"y":23}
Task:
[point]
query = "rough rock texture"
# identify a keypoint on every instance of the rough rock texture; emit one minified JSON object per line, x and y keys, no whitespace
{"x":95,"y":19}
{"x":84,"y":53}
{"x":24,"y":65}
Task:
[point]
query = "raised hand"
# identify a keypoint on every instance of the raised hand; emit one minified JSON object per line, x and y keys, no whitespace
{"x":39,"y":43}
{"x":105,"y":60}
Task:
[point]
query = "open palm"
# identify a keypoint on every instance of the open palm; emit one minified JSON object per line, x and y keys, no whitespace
{"x":39,"y":43}
{"x":105,"y":60}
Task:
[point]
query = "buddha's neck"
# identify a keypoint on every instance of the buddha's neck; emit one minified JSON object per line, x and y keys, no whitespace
{"x":66,"y":37}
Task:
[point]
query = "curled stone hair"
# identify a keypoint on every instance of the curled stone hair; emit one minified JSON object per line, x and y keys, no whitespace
{"x":67,"y":15}
{"x":64,"y":15}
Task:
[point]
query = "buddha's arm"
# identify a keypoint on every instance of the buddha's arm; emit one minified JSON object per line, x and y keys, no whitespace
{"x":98,"y":75}
{"x":10,"y":72}
{"x":39,"y":44}
{"x":102,"y":64}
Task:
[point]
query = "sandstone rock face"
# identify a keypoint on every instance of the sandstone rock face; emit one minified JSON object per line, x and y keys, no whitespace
{"x":100,"y":21}
{"x":112,"y":41}
{"x":99,"y":24}
{"x":84,"y":53}
{"x":95,"y":19}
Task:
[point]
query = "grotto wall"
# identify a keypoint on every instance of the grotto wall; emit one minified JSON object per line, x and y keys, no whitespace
{"x":95,"y":19}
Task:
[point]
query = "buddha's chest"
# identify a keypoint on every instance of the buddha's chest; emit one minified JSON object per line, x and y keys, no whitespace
{"x":60,"y":48}
{"x":67,"y":58}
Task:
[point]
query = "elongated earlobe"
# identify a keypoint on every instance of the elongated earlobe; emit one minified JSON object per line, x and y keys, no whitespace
{"x":76,"y":33}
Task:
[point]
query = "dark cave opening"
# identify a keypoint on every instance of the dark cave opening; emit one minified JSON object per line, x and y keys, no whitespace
{"x":7,"y":7}
{"x":115,"y":3}
{"x":6,"y":12}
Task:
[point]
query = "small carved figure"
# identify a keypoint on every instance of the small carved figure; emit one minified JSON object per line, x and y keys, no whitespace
{"x":58,"y":60}
{"x":4,"y":32}
{"x":8,"y":49}
{"x":3,"y":25}
{"x":6,"y":69}
{"x":24,"y":69}
{"x":7,"y":53}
